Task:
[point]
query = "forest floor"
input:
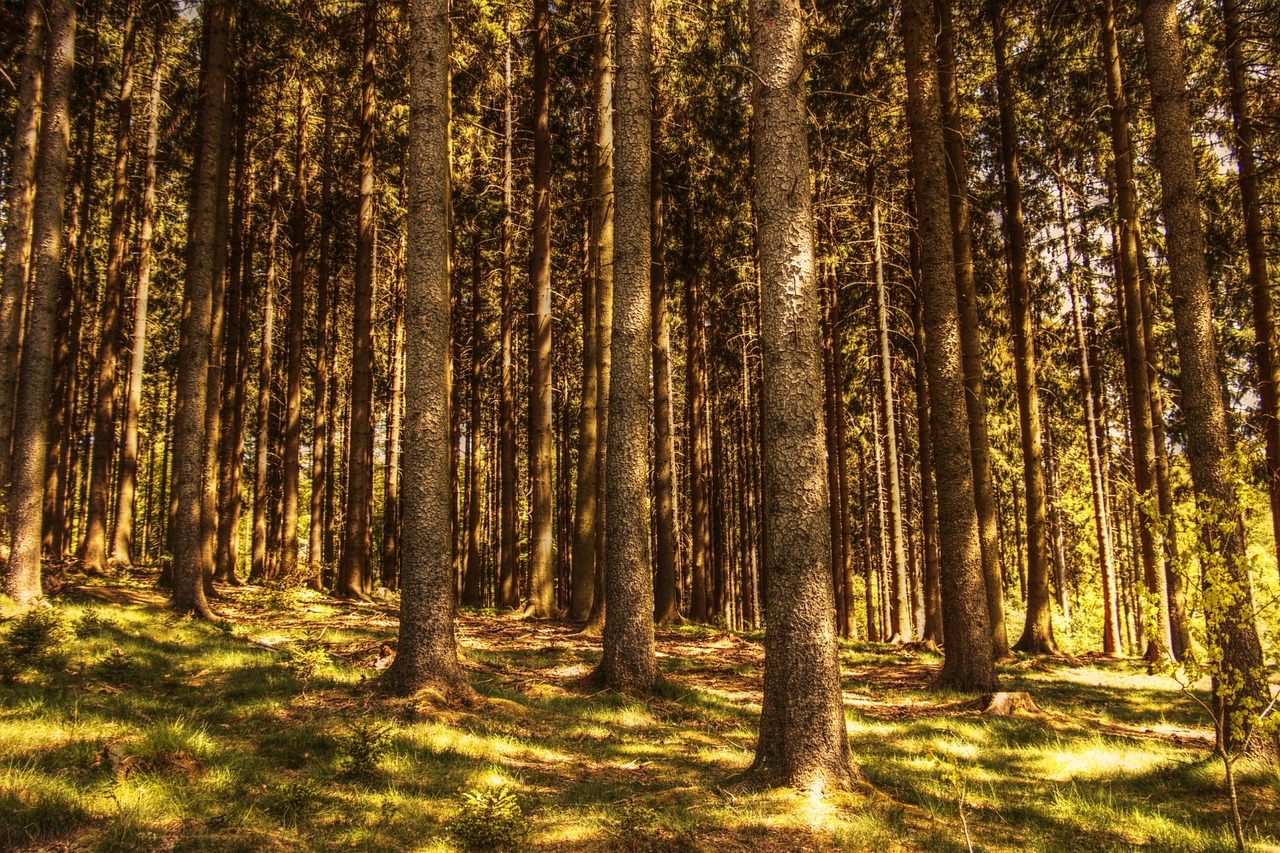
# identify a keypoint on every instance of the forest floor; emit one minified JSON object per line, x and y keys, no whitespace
{"x":136,"y":730}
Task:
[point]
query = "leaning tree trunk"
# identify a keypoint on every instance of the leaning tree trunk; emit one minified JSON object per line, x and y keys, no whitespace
{"x":803,"y":742}
{"x":969,"y":662}
{"x":427,"y":654}
{"x":970,"y":329}
{"x":630,"y":661}
{"x":190,"y":560}
{"x":1241,"y":680}
{"x":1037,"y":632}
{"x":26,"y":489}
{"x":18,"y":221}
{"x":357,"y":545}
{"x":541,"y":527}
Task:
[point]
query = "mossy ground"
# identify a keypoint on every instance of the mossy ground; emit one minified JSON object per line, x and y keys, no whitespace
{"x":260,"y":732}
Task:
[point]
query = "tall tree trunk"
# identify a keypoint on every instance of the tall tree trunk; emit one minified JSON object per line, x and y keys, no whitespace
{"x":357,"y":544}
{"x":803,"y":742}
{"x":18,"y":221}
{"x":969,"y":662}
{"x":292,"y":462}
{"x":932,"y":629}
{"x":508,"y":596}
{"x":395,"y":416}
{"x":1264,"y":330}
{"x":900,"y":613}
{"x":25,"y":491}
{"x":699,"y":453}
{"x":427,"y":653}
{"x":471,"y":571}
{"x":320,"y":423}
{"x":970,"y":329}
{"x":1101,"y":523}
{"x":541,"y":527}
{"x":1241,"y":681}
{"x":629,"y":661}
{"x":104,"y":415}
{"x":1140,"y":413}
{"x":1037,"y":632}
{"x":666,"y":606}
{"x":190,"y":560}
{"x":126,"y":490}
{"x":259,"y":569}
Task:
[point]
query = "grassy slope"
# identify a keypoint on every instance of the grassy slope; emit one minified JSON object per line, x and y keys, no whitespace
{"x":260,"y":733}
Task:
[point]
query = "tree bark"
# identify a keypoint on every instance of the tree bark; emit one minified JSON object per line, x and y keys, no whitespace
{"x":666,"y":606}
{"x":1241,"y":681}
{"x":25,"y":491}
{"x":969,"y":663}
{"x":292,"y":462}
{"x":970,"y":330}
{"x":357,"y":544}
{"x":508,"y":589}
{"x":629,"y":661}
{"x":126,"y":490}
{"x":427,"y":653}
{"x":320,"y":422}
{"x":803,"y":742}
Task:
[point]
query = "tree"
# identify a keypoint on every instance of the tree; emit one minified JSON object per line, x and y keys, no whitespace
{"x":1241,"y":681}
{"x":427,"y":653}
{"x":803,"y":742}
{"x":26,"y":489}
{"x":629,"y":661}
{"x":969,"y":663}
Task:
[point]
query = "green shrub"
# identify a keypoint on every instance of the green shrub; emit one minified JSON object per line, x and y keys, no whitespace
{"x":489,"y":819}
{"x":35,"y":640}
{"x":293,"y":803}
{"x":365,"y":742}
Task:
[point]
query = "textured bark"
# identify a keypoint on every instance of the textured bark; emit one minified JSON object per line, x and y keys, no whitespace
{"x":18,"y":220}
{"x":25,"y":491}
{"x":541,"y":526}
{"x":1101,"y":523}
{"x":932,"y":628}
{"x":699,"y":452}
{"x":900,"y":595}
{"x":970,"y":329}
{"x":427,"y":653}
{"x":94,"y":556}
{"x":1037,"y":632}
{"x":1241,"y":681}
{"x":1266,"y":378}
{"x":508,"y":595}
{"x":629,"y":661}
{"x":127,"y":486}
{"x":321,"y":416}
{"x":189,"y":556}
{"x":262,"y":443}
{"x":357,"y":544}
{"x":292,"y":462}
{"x":1136,"y":355}
{"x":666,"y":604}
{"x":803,"y":742}
{"x":395,"y":419}
{"x":471,"y":568}
{"x":969,"y":662}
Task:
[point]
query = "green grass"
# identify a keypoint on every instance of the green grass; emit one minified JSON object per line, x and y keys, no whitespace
{"x":153,"y":732}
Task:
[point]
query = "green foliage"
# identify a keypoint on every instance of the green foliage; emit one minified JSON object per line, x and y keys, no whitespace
{"x":91,"y":624}
{"x":293,"y":802}
{"x":489,"y":819}
{"x":35,"y":809}
{"x":363,"y":745}
{"x":305,"y":663}
{"x":34,"y":640}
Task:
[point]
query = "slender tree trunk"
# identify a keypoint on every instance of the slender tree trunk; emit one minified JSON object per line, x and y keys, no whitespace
{"x":292,"y":463}
{"x":508,"y":590}
{"x":932,"y":632}
{"x":1037,"y":632}
{"x":1264,"y":330}
{"x":970,"y":329}
{"x":104,"y":416}
{"x":471,"y":568}
{"x":25,"y":491}
{"x":320,"y":423}
{"x":699,"y":453}
{"x":1241,"y":681}
{"x":262,"y":444}
{"x":18,"y":221}
{"x":126,"y":490}
{"x":666,"y":598}
{"x":803,"y":742}
{"x":969,"y":662}
{"x":395,"y":409}
{"x":357,"y":546}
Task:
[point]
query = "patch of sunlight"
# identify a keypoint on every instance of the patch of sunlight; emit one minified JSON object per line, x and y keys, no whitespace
{"x":726,"y":756}
{"x":592,"y":732}
{"x":578,"y":830}
{"x":1097,"y":759}
{"x":627,"y":717}
{"x":436,"y":845}
{"x":571,"y":670}
{"x":446,"y":739}
{"x":493,"y":776}
{"x":957,"y":749}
